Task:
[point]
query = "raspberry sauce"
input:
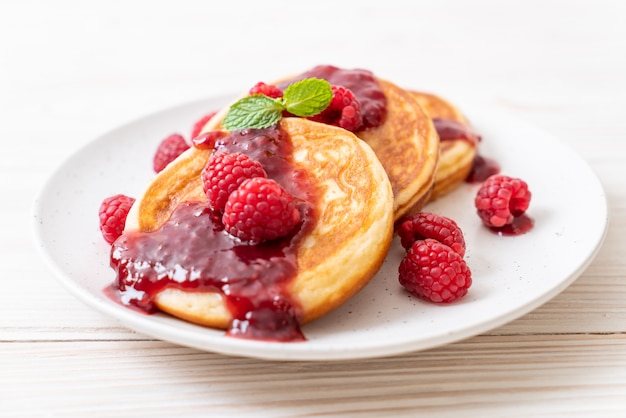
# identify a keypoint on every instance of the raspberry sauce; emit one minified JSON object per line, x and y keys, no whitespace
{"x":450,"y":129}
{"x":363,"y":85}
{"x":192,"y":252}
{"x":519,"y":226}
{"x":482,"y":169}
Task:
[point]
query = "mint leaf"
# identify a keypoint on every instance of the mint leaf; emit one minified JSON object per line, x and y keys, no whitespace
{"x":307,"y":97}
{"x":255,"y":111}
{"x":302,"y":98}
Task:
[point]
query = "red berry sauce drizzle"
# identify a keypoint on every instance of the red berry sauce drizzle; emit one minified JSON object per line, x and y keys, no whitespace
{"x":363,"y":85}
{"x":450,"y":129}
{"x":482,"y":167}
{"x":520,"y":225}
{"x":192,"y":252}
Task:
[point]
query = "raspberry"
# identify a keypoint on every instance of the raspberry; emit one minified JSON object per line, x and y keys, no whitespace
{"x":344,"y":110}
{"x":433,"y":271}
{"x":223,"y":174}
{"x":268,"y":90}
{"x":170,"y":148}
{"x":429,"y":225}
{"x":197,"y":127}
{"x":260,"y":210}
{"x":500,"y":199}
{"x":112,"y":213}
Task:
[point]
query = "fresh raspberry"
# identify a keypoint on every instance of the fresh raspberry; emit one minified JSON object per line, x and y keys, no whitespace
{"x":170,"y":148}
{"x":112,"y":213}
{"x":500,"y":199}
{"x":430,"y":225}
{"x":223,"y":174}
{"x":433,"y":271}
{"x":208,"y":139}
{"x":344,"y":110}
{"x":268,"y":90}
{"x":197,"y":127}
{"x":260,"y":210}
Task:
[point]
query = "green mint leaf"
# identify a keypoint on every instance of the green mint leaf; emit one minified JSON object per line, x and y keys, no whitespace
{"x":255,"y":111}
{"x":303,"y":98}
{"x":307,"y":97}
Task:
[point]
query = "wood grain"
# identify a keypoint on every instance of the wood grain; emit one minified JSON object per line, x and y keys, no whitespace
{"x":513,"y":375}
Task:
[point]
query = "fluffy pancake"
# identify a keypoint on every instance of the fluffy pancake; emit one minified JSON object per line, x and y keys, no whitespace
{"x":406,"y":144}
{"x":456,"y":155}
{"x":342,"y":251}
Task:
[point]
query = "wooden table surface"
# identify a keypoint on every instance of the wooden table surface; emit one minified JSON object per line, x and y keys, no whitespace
{"x":72,"y":70}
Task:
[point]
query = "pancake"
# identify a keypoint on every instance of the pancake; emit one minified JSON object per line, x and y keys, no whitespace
{"x":406,"y":144}
{"x":456,"y":154}
{"x":340,"y":252}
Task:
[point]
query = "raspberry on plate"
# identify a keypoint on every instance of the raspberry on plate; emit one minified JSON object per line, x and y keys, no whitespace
{"x":112,"y":213}
{"x":170,"y":148}
{"x":344,"y":110}
{"x":435,"y":272}
{"x":500,"y":199}
{"x":197,"y":127}
{"x":223,"y":174}
{"x":430,"y":225}
{"x":260,"y":210}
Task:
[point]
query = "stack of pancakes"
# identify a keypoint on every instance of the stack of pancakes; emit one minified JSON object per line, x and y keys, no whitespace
{"x":368,"y":181}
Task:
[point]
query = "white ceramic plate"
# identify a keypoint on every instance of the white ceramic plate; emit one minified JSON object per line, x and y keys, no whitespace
{"x":512,"y":275}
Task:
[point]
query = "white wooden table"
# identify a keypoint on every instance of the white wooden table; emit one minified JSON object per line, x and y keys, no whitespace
{"x":70,"y":71}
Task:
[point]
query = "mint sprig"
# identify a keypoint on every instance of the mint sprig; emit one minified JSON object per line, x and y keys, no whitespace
{"x":304,"y":98}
